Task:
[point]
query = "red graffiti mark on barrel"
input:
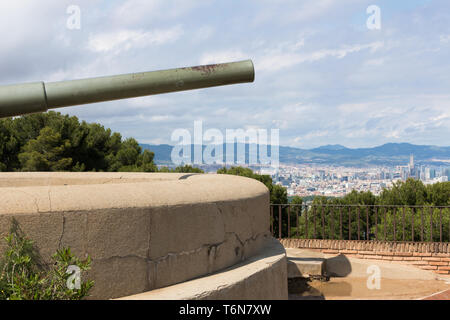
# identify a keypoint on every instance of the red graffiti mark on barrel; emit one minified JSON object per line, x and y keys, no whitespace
{"x":208,"y":69}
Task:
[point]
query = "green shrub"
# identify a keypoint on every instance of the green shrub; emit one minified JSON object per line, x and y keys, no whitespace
{"x":23,"y":275}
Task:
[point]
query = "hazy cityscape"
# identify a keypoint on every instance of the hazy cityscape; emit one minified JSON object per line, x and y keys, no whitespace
{"x":334,"y":170}
{"x":337,"y":181}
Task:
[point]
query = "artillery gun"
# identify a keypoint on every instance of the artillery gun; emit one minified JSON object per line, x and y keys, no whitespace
{"x":20,"y":99}
{"x":121,"y":220}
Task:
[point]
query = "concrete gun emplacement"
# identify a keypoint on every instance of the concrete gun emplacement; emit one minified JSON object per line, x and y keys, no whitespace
{"x":20,"y":99}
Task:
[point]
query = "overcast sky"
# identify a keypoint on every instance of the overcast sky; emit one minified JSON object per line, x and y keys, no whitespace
{"x":322,"y":77}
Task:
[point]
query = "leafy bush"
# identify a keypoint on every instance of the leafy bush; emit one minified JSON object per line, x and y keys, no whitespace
{"x":23,"y":275}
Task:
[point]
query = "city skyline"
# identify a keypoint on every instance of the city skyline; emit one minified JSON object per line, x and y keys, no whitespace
{"x":317,"y":180}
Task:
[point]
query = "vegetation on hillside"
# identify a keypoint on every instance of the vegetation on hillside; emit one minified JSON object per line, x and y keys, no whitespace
{"x":403,"y":202}
{"x":399,"y":199}
{"x":182,"y":169}
{"x":55,"y":142}
{"x":278,"y":194}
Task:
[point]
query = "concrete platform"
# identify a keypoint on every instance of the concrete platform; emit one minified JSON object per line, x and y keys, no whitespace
{"x":342,"y":266}
{"x":357,"y":289}
{"x":349,"y":280}
{"x":305,"y":264}
{"x":262,"y":277}
{"x":143,"y":231}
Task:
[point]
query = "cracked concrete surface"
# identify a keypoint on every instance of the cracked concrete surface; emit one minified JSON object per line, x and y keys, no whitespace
{"x":260,"y":277}
{"x":142,"y":231}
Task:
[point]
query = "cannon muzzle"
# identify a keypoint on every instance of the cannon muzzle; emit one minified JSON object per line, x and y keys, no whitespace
{"x":35,"y":97}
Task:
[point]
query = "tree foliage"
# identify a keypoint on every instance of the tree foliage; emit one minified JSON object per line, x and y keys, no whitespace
{"x":404,"y":208}
{"x":54,"y":142}
{"x":182,"y":169}
{"x":278,"y":194}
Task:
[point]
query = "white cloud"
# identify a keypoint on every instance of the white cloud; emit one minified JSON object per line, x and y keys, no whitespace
{"x":222,"y":56}
{"x":275,"y":62}
{"x":375,"y":62}
{"x":310,"y":11}
{"x":289,"y":11}
{"x":125,"y":40}
{"x":159,"y":118}
{"x":132,"y":12}
{"x":353,"y":108}
{"x":440,"y":117}
{"x":204,"y":33}
{"x":445,"y":38}
{"x":315,"y":134}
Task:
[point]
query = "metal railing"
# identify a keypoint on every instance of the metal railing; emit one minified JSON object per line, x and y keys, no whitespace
{"x":361,"y":222}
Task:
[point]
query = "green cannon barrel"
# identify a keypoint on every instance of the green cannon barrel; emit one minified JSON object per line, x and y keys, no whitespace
{"x":35,"y":97}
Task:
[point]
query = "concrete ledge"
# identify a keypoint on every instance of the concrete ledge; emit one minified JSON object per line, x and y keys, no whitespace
{"x":143,"y":231}
{"x":261,"y":277}
{"x":304,"y":264}
{"x":59,"y":192}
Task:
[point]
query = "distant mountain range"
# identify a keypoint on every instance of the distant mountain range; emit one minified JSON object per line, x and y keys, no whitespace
{"x":389,"y":154}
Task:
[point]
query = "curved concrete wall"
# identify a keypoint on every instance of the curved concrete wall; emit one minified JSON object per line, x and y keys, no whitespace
{"x":143,"y":231}
{"x":261,"y":277}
